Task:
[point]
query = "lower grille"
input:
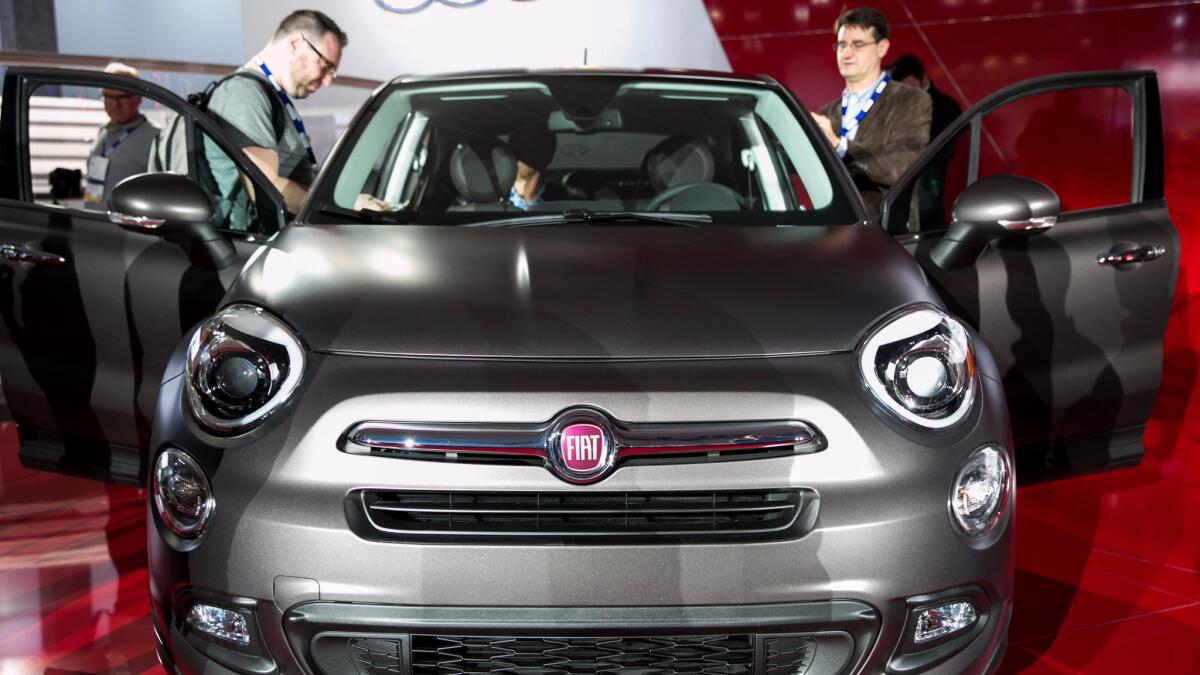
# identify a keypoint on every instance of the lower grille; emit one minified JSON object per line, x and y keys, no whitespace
{"x":646,"y":655}
{"x":377,"y":656}
{"x":820,"y":638}
{"x":583,"y":517}
{"x":704,"y":654}
{"x":789,"y":655}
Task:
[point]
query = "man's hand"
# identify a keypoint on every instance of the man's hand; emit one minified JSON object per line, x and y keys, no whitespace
{"x":826,"y":128}
{"x":366,"y":202}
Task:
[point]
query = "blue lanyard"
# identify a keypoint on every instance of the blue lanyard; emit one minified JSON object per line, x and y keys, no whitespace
{"x":883,"y":83}
{"x":104,"y":153}
{"x":289,"y":107}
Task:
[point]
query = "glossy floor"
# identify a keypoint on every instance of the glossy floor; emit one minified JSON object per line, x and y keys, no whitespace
{"x":1108,"y":577}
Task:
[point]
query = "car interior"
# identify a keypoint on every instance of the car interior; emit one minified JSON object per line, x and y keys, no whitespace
{"x":613,"y":146}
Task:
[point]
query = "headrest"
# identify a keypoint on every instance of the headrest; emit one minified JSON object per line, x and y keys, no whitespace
{"x":482,"y":171}
{"x":679,"y":160}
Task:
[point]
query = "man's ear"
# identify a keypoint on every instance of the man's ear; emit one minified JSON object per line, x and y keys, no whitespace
{"x":295,"y":41}
{"x":883,"y":47}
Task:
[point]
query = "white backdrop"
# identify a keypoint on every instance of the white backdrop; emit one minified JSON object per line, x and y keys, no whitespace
{"x":207,"y":31}
{"x":506,"y":34}
{"x":383,"y":44}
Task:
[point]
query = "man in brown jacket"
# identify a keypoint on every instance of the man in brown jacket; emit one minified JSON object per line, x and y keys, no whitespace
{"x":877,"y":128}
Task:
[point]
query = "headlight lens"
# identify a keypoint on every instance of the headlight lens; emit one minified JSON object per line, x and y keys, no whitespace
{"x":182,"y":495}
{"x":242,"y":365}
{"x":980,"y":494}
{"x":920,"y":366}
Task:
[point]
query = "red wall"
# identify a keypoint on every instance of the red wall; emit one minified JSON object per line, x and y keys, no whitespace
{"x":973,"y":47}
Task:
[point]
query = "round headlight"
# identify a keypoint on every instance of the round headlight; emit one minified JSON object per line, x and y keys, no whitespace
{"x":919,"y":365}
{"x":243,"y":364}
{"x":980,"y":493}
{"x":182,"y":495}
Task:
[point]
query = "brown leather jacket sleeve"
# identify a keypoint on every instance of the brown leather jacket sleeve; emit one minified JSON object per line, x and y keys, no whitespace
{"x":894,"y":141}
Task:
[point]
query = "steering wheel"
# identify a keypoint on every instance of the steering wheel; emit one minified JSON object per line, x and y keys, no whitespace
{"x":713,"y":188}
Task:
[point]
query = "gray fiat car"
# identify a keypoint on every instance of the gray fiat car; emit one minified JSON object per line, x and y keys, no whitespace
{"x":616,"y":375}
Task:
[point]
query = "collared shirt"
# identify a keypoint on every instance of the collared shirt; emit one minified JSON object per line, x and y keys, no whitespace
{"x":855,"y":102}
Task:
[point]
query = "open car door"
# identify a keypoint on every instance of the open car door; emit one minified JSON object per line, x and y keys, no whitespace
{"x":90,"y":312}
{"x":1074,"y":308}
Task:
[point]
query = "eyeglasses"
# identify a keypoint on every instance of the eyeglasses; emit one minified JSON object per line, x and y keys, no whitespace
{"x":857,"y":45}
{"x":327,"y":67}
{"x":116,"y":98}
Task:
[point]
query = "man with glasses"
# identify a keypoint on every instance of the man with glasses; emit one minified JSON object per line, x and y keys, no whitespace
{"x":876,"y":127}
{"x":258,"y":114}
{"x":121,"y":144}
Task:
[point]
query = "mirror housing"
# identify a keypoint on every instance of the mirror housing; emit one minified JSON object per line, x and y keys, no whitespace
{"x":172,"y":207}
{"x":994,"y":208}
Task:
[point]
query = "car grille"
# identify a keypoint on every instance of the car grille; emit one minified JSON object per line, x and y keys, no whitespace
{"x":584,"y":517}
{"x":642,"y":655}
{"x":821,"y":638}
{"x":449,"y":655}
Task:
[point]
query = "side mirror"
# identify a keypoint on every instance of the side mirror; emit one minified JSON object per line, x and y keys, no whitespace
{"x":994,"y":208}
{"x":172,"y":207}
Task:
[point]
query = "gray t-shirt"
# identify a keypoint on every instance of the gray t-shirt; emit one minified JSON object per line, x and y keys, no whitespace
{"x":246,"y":112}
{"x":126,"y":153}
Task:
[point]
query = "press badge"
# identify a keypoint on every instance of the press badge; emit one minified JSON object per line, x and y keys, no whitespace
{"x":97,"y":172}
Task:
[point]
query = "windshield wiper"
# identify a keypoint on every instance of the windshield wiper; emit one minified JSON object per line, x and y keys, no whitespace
{"x":587,"y":217}
{"x":370,"y":216}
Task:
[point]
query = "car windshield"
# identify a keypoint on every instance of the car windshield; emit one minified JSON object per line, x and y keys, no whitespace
{"x":478,"y":150}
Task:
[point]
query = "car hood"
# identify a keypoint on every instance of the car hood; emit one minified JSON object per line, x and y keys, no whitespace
{"x":580,"y":292}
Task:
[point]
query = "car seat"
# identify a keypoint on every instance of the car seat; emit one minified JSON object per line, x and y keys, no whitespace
{"x":680,"y":172}
{"x":678,"y":160}
{"x":483,"y":172}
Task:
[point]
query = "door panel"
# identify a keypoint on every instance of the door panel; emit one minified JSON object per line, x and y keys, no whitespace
{"x":84,"y":343}
{"x":1078,"y":343}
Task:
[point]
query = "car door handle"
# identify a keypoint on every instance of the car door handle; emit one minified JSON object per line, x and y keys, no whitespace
{"x":29,"y":255}
{"x":1120,"y":257}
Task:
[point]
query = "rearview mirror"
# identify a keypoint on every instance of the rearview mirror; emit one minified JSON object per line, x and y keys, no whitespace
{"x":994,"y":208}
{"x":171,"y":206}
{"x":606,"y":120}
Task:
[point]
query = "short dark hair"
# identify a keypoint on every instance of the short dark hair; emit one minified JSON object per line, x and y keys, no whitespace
{"x":907,"y":65}
{"x":533,"y":145}
{"x":864,"y":17}
{"x":313,"y":24}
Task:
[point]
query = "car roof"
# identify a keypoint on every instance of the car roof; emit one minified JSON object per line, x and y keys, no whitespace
{"x":652,"y":73}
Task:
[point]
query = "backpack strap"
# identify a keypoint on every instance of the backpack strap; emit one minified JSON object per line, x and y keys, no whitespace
{"x":279,"y":116}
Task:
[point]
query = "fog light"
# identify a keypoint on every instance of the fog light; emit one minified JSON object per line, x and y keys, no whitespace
{"x":182,"y":495}
{"x":942,"y":620}
{"x":220,"y":623}
{"x":980,"y":493}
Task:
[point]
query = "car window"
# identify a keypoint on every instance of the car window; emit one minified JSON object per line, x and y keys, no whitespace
{"x":84,"y":140}
{"x":464,"y":152}
{"x":1078,"y":142}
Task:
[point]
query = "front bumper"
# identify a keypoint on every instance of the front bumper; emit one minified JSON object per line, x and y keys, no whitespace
{"x":280,"y":540}
{"x":818,"y":638}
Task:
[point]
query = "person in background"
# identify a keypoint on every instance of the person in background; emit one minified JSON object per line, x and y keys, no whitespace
{"x":876,"y":127}
{"x":122,"y":144}
{"x":909,"y":70}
